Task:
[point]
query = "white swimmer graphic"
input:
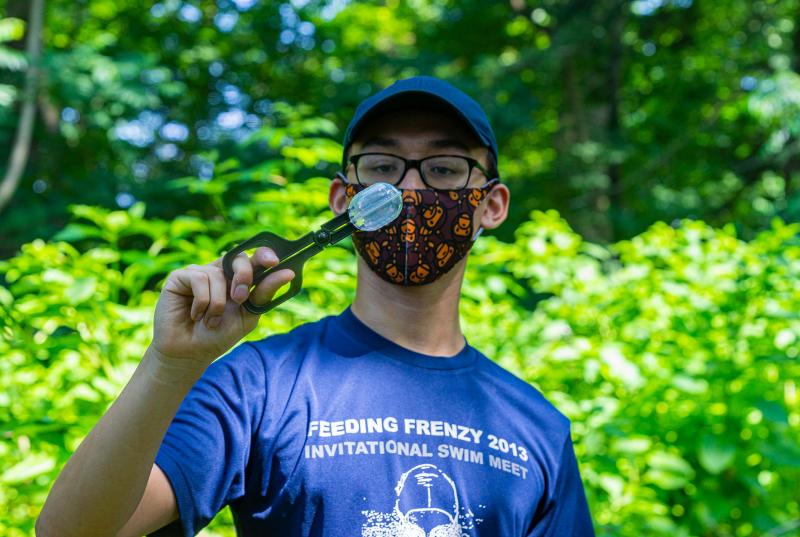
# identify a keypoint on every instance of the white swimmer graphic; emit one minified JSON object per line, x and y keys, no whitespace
{"x":426,"y":506}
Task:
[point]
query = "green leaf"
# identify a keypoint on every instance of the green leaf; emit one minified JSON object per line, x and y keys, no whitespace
{"x":665,"y":480}
{"x":81,"y":290}
{"x":137,"y":210}
{"x":690,"y":384}
{"x":12,"y":60}
{"x":75,"y":232}
{"x":716,"y":453}
{"x":6,"y":298}
{"x":782,"y":452}
{"x":30,"y":467}
{"x":613,"y":484}
{"x":11,"y":29}
{"x":774,"y":412}
{"x":7,"y":95}
{"x":633,"y":445}
{"x":668,"y":470}
{"x":671,"y":462}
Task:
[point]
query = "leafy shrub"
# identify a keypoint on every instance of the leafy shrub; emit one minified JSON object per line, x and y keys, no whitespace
{"x":676,"y":356}
{"x":674,"y":353}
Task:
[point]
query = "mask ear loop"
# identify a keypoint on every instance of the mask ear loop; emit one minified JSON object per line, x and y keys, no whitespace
{"x":491,"y":184}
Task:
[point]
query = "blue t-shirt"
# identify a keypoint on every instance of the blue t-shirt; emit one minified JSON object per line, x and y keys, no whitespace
{"x":332,"y":429}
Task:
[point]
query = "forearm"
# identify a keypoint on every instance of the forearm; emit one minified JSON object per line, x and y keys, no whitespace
{"x":101,"y":485}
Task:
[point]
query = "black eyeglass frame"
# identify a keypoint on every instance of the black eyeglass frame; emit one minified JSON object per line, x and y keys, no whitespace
{"x":410,"y":164}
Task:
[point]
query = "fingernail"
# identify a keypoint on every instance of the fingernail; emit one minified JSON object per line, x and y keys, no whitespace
{"x":241,"y":292}
{"x":213,"y":322}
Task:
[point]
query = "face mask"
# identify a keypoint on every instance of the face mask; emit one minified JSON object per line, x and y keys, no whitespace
{"x":431,"y":235}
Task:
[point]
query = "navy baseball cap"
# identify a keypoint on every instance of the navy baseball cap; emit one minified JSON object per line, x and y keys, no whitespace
{"x":424,"y":91}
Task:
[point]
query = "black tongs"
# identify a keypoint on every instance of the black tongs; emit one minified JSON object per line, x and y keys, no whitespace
{"x":370,"y":209}
{"x":292,"y":255}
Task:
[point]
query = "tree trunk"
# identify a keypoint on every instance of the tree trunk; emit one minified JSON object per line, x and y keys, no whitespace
{"x":793,"y":164}
{"x":575,"y":118}
{"x":615,"y":197}
{"x":22,"y":139}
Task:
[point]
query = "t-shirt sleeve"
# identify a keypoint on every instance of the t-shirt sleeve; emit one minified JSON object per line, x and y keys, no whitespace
{"x":206,"y":448}
{"x":563,"y":511}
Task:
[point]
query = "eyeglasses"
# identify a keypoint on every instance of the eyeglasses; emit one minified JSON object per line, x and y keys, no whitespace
{"x":439,"y":172}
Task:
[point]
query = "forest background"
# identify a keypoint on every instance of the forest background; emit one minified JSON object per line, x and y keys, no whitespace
{"x":645,"y":282}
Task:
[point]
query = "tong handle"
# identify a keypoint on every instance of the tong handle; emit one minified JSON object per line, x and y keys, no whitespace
{"x":292,"y":255}
{"x":282,"y":248}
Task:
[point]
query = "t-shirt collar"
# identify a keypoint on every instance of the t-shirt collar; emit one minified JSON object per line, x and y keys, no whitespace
{"x":347,"y":335}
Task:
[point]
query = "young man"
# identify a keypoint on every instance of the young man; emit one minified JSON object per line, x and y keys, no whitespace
{"x":382,"y":420}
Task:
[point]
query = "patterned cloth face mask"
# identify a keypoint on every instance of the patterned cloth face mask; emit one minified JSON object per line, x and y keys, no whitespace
{"x":431,"y":235}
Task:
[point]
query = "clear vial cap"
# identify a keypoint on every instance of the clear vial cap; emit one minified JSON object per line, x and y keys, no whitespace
{"x":375,"y":206}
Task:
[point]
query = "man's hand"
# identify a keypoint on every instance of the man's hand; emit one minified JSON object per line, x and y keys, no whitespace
{"x":114,"y":468}
{"x":199,"y":316}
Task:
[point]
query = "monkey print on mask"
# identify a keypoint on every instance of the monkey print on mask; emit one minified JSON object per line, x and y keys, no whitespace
{"x":432,"y":233}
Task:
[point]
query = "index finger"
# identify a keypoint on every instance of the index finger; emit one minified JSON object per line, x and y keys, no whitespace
{"x":242,"y":278}
{"x":244,"y":268}
{"x":262,"y":257}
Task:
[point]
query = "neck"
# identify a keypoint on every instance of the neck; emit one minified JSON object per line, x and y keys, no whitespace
{"x":398,"y":313}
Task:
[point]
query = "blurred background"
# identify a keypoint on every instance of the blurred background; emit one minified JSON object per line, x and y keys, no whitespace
{"x":646,"y":280}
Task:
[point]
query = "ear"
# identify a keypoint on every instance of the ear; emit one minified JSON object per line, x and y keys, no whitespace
{"x":494,"y":209}
{"x":337,"y":200}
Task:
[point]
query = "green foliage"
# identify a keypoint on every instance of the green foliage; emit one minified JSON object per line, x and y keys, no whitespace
{"x":76,"y":315}
{"x":674,"y":353}
{"x":676,"y":356}
{"x":617,"y":114}
{"x":11,"y":29}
